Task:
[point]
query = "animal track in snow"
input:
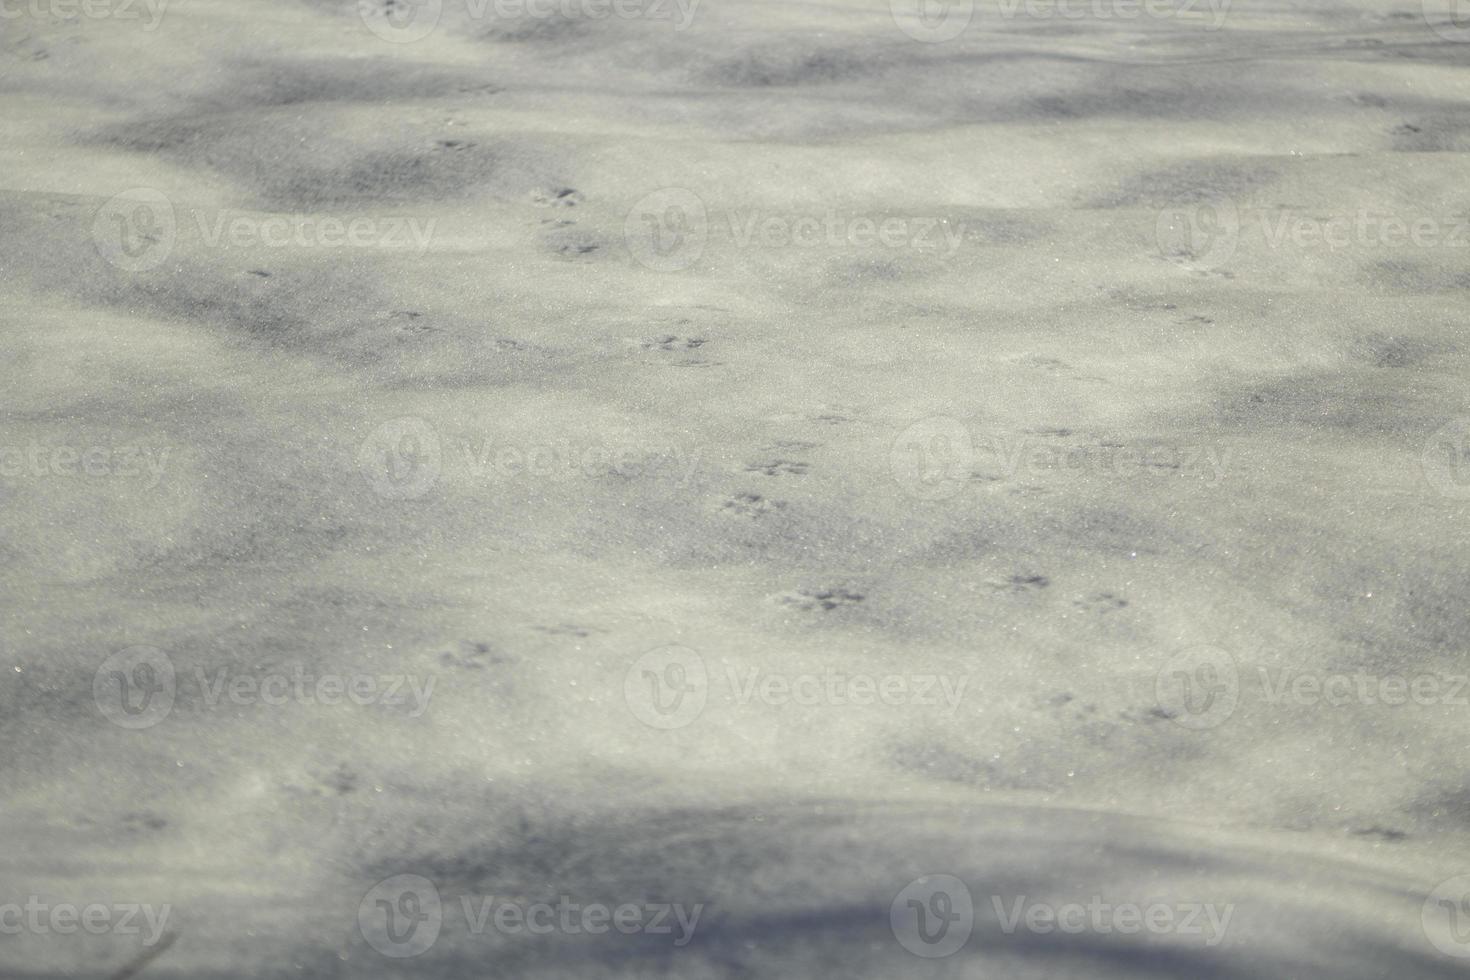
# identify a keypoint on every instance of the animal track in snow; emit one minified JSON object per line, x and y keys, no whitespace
{"x":778,"y":467}
{"x":1101,"y":603}
{"x":670,"y":342}
{"x":824,"y":599}
{"x":1022,"y":583}
{"x":556,"y":197}
{"x":751,"y":505}
{"x":568,"y":629}
{"x":472,"y":656}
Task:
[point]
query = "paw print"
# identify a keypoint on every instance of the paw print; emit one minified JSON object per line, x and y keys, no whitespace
{"x":670,"y":342}
{"x":472,"y":656}
{"x":1022,"y":583}
{"x":751,"y":505}
{"x":342,"y":780}
{"x":568,"y":629}
{"x":556,"y":197}
{"x":335,"y":782}
{"x":778,"y":467}
{"x":824,"y":599}
{"x":1101,"y":603}
{"x":143,"y":821}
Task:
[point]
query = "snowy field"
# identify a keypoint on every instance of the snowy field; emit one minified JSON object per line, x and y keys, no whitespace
{"x":726,"y":489}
